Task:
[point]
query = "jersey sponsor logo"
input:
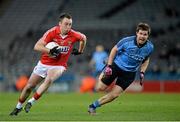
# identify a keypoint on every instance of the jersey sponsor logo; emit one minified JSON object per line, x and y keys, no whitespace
{"x":64,"y":49}
{"x":136,"y":57}
{"x":135,"y":54}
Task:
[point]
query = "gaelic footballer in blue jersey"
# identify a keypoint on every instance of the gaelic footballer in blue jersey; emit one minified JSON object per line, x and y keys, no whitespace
{"x":130,"y":55}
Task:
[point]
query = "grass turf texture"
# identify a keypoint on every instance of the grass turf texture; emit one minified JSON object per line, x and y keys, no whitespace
{"x":73,"y":107}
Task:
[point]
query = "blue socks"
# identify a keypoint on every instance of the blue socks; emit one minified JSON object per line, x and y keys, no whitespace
{"x":95,"y":104}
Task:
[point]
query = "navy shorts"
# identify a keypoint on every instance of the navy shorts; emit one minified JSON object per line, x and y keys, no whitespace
{"x":124,"y":78}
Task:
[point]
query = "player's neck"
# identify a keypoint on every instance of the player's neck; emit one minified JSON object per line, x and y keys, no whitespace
{"x":63,"y":33}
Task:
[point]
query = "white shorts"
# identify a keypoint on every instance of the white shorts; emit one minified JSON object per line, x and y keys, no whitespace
{"x":42,"y":69}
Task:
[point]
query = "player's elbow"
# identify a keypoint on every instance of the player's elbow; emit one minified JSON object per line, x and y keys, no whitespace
{"x":84,"y":38}
{"x":36,"y":47}
{"x":99,"y":89}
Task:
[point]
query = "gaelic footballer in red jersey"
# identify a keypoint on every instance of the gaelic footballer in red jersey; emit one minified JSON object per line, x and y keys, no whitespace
{"x":66,"y":43}
{"x":49,"y":68}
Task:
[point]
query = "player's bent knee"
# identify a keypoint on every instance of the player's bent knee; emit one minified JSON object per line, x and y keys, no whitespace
{"x":100,"y":77}
{"x":99,"y":88}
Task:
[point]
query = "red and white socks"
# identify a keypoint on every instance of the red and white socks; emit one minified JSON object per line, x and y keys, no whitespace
{"x":34,"y":98}
{"x":19,"y":104}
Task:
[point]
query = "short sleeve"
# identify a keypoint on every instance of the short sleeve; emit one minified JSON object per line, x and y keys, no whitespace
{"x":120,"y":44}
{"x":78,"y":36}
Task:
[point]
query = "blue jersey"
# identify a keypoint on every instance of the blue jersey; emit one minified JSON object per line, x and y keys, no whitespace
{"x":129,"y":55}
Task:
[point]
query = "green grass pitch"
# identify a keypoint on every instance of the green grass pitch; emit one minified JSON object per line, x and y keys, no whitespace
{"x":73,"y":107}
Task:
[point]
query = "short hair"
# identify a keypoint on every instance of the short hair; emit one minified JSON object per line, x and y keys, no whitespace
{"x":144,"y":27}
{"x":65,"y":15}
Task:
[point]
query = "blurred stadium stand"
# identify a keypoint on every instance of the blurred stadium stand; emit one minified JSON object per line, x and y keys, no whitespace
{"x":22,"y":23}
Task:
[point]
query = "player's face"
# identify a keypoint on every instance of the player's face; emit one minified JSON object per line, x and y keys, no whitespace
{"x":142,"y":36}
{"x":66,"y":25}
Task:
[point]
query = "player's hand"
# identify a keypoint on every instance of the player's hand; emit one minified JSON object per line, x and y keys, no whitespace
{"x":108,"y":70}
{"x":55,"y":51}
{"x":75,"y":52}
{"x":141,"y":77}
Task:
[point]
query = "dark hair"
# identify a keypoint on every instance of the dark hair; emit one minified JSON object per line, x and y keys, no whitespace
{"x":143,"y":26}
{"x":65,"y":15}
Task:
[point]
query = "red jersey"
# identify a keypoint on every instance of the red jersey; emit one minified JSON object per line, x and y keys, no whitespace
{"x":53,"y":35}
